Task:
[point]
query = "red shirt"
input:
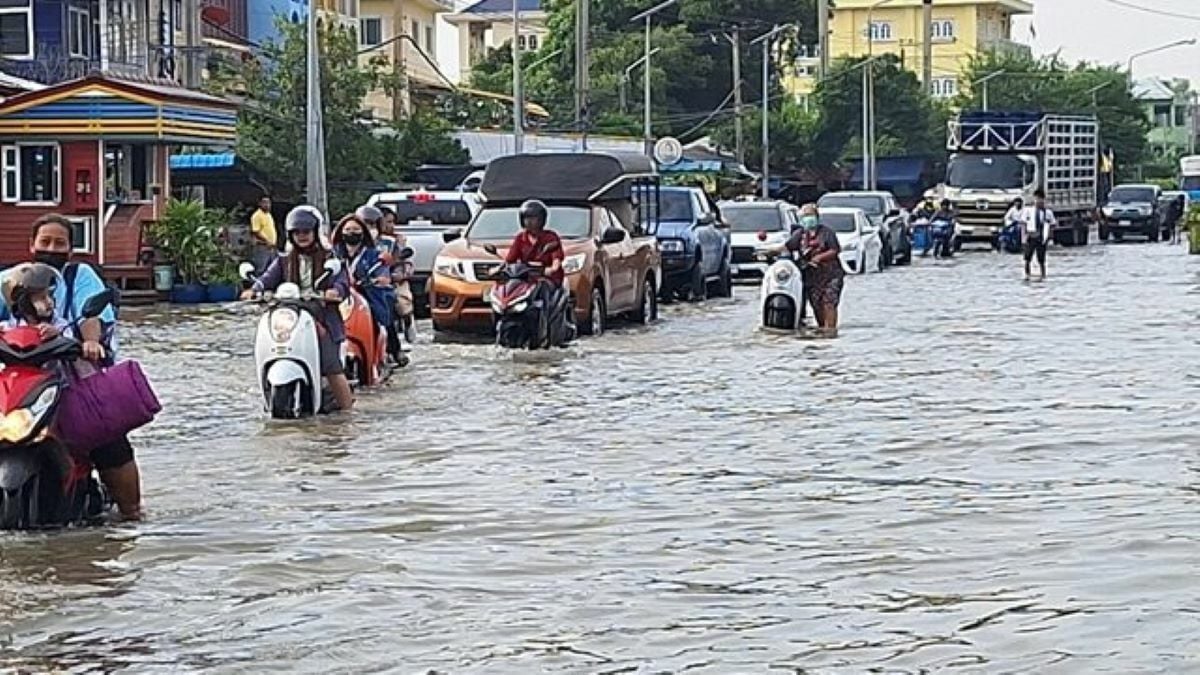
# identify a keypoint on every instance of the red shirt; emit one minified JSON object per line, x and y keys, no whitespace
{"x":546,"y":250}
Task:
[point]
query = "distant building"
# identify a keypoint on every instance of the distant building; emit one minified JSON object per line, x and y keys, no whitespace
{"x":488,"y":24}
{"x":1171,"y":107}
{"x":262,"y":16}
{"x":961,"y":29}
{"x":377,"y":31}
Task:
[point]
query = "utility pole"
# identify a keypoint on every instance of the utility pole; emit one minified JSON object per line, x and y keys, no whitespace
{"x":927,"y":47}
{"x":582,"y":94}
{"x":518,"y":94}
{"x":647,"y":133}
{"x":766,"y":107}
{"x":192,"y":42}
{"x":400,"y":98}
{"x":871,"y":128}
{"x":866,"y":131}
{"x":823,"y":36}
{"x":739,"y":140}
{"x":315,"y":188}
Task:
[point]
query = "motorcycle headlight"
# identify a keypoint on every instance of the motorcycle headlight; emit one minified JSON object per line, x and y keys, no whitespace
{"x":671,"y":246}
{"x":283,"y":322}
{"x":449,"y":267}
{"x":520,"y":307}
{"x":783,"y":275}
{"x":19,"y":424}
{"x":574,"y":263}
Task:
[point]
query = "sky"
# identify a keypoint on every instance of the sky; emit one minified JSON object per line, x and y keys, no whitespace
{"x":1106,"y":31}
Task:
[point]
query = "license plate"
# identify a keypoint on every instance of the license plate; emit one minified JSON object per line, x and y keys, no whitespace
{"x":281,"y":350}
{"x":1126,"y":223}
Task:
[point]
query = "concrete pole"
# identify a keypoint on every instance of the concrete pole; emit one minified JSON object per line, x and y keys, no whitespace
{"x":866,"y":132}
{"x":646,"y":134}
{"x":927,"y":47}
{"x":766,"y":119}
{"x":400,"y":98}
{"x":585,"y":69}
{"x":518,"y":94}
{"x":871,"y":117}
{"x":740,"y":140}
{"x":192,"y":42}
{"x":823,"y":36}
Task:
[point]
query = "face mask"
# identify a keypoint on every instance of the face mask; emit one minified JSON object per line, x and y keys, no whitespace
{"x":809,"y":222}
{"x":352,"y":238}
{"x":55,"y":260}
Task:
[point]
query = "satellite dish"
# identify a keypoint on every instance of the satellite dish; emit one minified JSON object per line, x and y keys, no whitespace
{"x":668,"y":151}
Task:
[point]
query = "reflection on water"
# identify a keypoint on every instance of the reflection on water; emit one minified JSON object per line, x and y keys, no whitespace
{"x":977,"y":474}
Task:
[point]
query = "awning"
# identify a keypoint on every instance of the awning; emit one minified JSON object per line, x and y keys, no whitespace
{"x":103,"y":107}
{"x":893,"y":170}
{"x":694,"y":166}
{"x":203,"y":162}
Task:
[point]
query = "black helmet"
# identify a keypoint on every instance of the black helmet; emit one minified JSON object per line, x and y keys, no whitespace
{"x":534,"y":209}
{"x":304,"y":218}
{"x":369,"y":215}
{"x":22,"y":282}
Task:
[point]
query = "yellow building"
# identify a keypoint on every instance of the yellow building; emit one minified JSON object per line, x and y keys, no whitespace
{"x":345,"y":11}
{"x":417,"y":19}
{"x":961,"y":29}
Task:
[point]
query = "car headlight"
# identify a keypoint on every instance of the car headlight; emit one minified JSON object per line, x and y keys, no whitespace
{"x":283,"y":322}
{"x":671,"y":246}
{"x":783,"y":275}
{"x":574,"y":263}
{"x":1145,"y":210}
{"x":1108,"y":211}
{"x":19,"y":424}
{"x":449,"y":267}
{"x":850,"y":246}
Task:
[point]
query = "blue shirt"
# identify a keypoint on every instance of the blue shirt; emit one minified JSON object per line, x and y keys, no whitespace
{"x":87,"y":284}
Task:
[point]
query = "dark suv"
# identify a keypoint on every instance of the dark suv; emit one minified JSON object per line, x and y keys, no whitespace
{"x":695,"y":245}
{"x":1132,"y":209}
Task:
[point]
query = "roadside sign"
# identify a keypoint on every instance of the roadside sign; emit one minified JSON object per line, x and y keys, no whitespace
{"x":668,"y":151}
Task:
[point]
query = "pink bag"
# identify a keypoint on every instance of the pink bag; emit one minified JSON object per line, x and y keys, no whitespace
{"x":103,"y":407}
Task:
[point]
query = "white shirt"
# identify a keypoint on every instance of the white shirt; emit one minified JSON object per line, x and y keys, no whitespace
{"x":1013,"y":215}
{"x":1029,"y":216}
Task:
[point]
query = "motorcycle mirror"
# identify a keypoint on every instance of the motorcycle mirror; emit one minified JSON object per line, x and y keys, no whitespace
{"x":406,"y":253}
{"x":246,"y":271}
{"x":491,"y":248}
{"x":452,"y":234}
{"x":96,"y":304}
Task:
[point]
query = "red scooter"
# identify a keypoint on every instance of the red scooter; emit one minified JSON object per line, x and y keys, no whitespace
{"x":42,"y":482}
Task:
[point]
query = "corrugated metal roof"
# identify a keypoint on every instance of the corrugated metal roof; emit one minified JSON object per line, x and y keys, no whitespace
{"x":501,"y":6}
{"x":222,"y":160}
{"x":1153,"y":89}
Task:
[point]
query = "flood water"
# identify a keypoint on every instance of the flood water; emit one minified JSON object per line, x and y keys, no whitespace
{"x":979,"y":474}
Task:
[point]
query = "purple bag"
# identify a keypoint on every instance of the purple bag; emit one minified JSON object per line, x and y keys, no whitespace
{"x":103,"y":407}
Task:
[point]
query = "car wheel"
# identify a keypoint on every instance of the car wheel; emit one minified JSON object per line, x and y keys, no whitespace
{"x":1103,"y":233}
{"x":648,"y":310}
{"x":699,"y":286}
{"x":1154,"y":234}
{"x":725,"y":281}
{"x":596,"y":321}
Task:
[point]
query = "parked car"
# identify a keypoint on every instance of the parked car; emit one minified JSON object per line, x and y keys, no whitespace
{"x":1132,"y":209}
{"x":694,"y":241}
{"x":753,"y":225}
{"x":424,"y":218}
{"x":862,"y":250}
{"x":885,"y":214}
{"x":612,"y":262}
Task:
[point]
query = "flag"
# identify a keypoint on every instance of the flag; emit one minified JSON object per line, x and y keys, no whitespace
{"x":1033,"y":31}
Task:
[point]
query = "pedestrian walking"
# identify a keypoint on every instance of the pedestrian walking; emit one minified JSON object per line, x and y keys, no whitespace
{"x":818,"y":245}
{"x":1039,"y":223}
{"x":265,"y":237}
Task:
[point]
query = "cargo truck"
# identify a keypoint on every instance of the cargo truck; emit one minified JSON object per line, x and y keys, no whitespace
{"x":997,"y":157}
{"x":1189,"y":177}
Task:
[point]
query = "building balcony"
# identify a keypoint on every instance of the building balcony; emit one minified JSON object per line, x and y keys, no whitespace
{"x":1005,"y":46}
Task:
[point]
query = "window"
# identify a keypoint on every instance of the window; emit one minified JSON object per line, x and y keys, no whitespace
{"x":944,"y":87}
{"x":348,"y":8}
{"x":533,"y":43}
{"x":1162,"y":115}
{"x":521,"y":44}
{"x":81,"y":234}
{"x":16,"y":29}
{"x":943,"y":30}
{"x":881,"y":31}
{"x":79,"y":32}
{"x":31,"y":173}
{"x":429,"y":41}
{"x":370,"y":31}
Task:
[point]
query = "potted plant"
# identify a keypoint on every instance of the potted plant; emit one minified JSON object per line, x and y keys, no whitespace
{"x":1193,"y":226}
{"x":224,"y":285}
{"x":187,"y":236}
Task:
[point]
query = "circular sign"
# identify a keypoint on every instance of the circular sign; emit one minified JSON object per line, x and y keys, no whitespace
{"x":668,"y":151}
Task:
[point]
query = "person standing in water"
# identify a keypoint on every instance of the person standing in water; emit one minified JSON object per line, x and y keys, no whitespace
{"x":818,"y":245}
{"x":1039,"y":223}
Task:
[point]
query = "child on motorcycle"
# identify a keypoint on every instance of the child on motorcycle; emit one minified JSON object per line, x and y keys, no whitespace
{"x":383,"y":223}
{"x":29,"y":290}
{"x":302,"y":265}
{"x":353,"y":243}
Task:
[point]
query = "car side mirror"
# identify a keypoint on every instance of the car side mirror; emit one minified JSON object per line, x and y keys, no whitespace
{"x":707,"y":219}
{"x":452,"y":234}
{"x":96,"y":304}
{"x":894,"y":213}
{"x":491,"y":248}
{"x":613,"y":235}
{"x":246,"y":271}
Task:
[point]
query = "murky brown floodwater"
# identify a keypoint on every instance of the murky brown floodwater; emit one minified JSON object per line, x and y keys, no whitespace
{"x":980,"y":475}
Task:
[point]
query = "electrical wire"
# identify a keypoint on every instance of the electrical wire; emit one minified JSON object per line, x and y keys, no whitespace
{"x":1153,"y":10}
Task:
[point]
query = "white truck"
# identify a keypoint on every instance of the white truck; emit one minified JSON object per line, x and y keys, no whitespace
{"x":1189,"y":177}
{"x":997,"y":157}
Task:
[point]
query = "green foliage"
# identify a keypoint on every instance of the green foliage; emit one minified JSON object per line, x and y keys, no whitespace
{"x":1050,"y":85}
{"x":271,"y":126}
{"x":190,"y":237}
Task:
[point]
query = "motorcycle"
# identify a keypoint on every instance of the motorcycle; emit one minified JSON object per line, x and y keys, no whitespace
{"x":521,"y":321}
{"x":286,"y":353}
{"x":1009,"y":240}
{"x":404,"y":317}
{"x":365,"y":354}
{"x":945,"y":238}
{"x":922,"y":237}
{"x":42,"y":482}
{"x":782,"y":295}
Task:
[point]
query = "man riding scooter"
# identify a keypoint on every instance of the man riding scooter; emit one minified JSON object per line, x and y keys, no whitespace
{"x":536,"y":245}
{"x":302,"y":265}
{"x":943,"y":224}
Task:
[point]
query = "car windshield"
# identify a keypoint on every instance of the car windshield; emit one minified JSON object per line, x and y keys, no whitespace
{"x":746,"y":218}
{"x":435,"y":212}
{"x":1125,"y":195}
{"x":676,"y":205}
{"x":839,"y":222}
{"x":873,"y":206}
{"x":1190,"y":183}
{"x":975,"y":172}
{"x":502,"y":224}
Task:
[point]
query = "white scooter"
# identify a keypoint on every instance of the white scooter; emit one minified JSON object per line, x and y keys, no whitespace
{"x":286,"y":354}
{"x":782,"y":295}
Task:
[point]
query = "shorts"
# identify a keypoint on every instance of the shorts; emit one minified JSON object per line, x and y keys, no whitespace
{"x":330,"y":355}
{"x":1035,"y":247}
{"x":112,"y":456}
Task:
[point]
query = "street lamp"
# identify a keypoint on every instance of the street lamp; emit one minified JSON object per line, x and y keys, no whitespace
{"x":984,"y":81}
{"x":870,"y":25}
{"x":1163,"y":48}
{"x":766,"y":106}
{"x":1095,"y":90}
{"x":625,"y":77}
{"x":646,"y":16}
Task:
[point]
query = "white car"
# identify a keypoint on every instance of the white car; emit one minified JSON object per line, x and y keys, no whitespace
{"x":862,"y":249}
{"x":754,"y":225}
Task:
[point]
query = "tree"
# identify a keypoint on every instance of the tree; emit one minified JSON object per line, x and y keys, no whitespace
{"x":1049,"y":85}
{"x":358,"y":152}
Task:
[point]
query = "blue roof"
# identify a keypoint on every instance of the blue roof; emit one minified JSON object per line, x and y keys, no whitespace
{"x":893,"y":170}
{"x":498,"y":6}
{"x":206,"y":161}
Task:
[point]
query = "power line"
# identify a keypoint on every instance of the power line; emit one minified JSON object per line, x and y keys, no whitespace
{"x":1153,"y":10}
